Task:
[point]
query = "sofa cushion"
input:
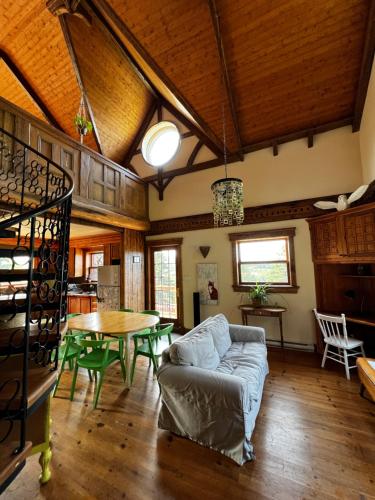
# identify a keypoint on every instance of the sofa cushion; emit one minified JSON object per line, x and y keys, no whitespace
{"x":247,"y":360}
{"x":195,"y":350}
{"x":219,"y":329}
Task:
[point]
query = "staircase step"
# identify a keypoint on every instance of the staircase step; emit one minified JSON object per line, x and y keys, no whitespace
{"x":7,"y":233}
{"x":21,"y":275}
{"x":10,"y":463}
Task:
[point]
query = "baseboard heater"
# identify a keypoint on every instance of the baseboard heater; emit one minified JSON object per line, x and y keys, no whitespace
{"x":291,"y":345}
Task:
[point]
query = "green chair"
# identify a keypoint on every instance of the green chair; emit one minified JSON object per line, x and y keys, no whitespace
{"x":150,"y":346}
{"x":126,"y":310}
{"x":150,"y":311}
{"x":69,"y":349}
{"x":98,"y":360}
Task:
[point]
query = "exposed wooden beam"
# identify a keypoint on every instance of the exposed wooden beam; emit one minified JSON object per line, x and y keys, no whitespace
{"x":215,"y":16}
{"x":141,"y":132}
{"x":298,"y":134}
{"x":195,"y":130}
{"x":160,"y":112}
{"x":216,"y":162}
{"x":366,"y":65}
{"x":72,"y":7}
{"x":78,"y":74}
{"x":275,"y":149}
{"x":310,"y":140}
{"x":194,"y":153}
{"x":30,"y":90}
{"x":107,"y":11}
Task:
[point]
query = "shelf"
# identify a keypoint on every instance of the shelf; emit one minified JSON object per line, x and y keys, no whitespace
{"x":11,"y":464}
{"x":40,"y":382}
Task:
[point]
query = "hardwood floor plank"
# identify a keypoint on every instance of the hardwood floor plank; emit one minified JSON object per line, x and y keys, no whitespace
{"x":314,"y":439}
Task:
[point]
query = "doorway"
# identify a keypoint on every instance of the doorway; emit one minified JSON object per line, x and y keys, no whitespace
{"x":165,"y":280}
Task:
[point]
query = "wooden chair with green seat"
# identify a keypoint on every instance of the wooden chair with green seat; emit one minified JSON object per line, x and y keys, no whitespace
{"x":151,"y":347}
{"x":98,"y":360}
{"x":123,"y":309}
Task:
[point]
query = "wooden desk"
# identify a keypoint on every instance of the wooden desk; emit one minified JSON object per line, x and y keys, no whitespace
{"x":115,"y":324}
{"x":359,"y":319}
{"x":274,"y":312}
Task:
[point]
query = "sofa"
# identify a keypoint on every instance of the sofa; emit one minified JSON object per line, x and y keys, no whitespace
{"x":211,"y":383}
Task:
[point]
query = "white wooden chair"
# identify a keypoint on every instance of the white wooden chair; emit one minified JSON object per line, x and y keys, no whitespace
{"x":336,"y":336}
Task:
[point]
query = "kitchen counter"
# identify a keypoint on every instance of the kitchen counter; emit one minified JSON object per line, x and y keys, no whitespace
{"x":81,"y":294}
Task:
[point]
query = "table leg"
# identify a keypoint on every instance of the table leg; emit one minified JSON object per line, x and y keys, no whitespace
{"x":281,"y":331}
{"x":127,"y":361}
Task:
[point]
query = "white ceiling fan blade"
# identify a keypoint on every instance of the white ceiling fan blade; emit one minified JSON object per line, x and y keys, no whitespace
{"x":325,"y":205}
{"x":357,"y":194}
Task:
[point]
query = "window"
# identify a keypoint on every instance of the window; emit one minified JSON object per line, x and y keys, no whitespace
{"x":264,"y":257}
{"x":160,"y":144}
{"x":96,"y":260}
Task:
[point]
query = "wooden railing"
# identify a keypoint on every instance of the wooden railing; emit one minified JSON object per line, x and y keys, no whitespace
{"x":104,"y":191}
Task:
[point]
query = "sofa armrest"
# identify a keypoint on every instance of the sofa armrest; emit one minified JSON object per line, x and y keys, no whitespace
{"x":241,"y":333}
{"x":208,"y":387}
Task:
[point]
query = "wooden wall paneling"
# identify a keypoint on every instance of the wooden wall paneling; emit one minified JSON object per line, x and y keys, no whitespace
{"x":134,"y":247}
{"x":113,"y":208}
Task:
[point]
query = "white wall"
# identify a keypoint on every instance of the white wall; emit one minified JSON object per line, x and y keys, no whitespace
{"x":367,"y":133}
{"x":332,"y":166}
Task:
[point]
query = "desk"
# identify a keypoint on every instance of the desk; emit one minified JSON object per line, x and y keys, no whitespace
{"x":359,"y":319}
{"x":115,"y":324}
{"x":274,"y":312}
{"x":367,"y":376}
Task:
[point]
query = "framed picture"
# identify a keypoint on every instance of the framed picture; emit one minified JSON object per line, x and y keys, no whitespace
{"x":207,"y":284}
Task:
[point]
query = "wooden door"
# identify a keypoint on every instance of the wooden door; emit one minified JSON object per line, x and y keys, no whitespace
{"x":165,"y":281}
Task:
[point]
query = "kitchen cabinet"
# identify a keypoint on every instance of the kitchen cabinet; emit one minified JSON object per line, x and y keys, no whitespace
{"x":83,"y":304}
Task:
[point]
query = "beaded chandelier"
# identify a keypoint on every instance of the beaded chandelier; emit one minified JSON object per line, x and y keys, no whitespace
{"x":228,"y":201}
{"x":227,"y":195}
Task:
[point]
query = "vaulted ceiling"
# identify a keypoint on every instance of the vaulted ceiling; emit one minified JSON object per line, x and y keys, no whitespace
{"x":275,"y":68}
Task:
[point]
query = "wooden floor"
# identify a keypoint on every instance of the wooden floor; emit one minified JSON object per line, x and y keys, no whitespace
{"x":314,"y":438}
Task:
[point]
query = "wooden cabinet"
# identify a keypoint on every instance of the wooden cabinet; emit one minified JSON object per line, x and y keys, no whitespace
{"x":83,"y":304}
{"x":344,"y":237}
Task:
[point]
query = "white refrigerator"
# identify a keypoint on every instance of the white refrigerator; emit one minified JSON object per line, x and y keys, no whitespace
{"x":108,"y":288}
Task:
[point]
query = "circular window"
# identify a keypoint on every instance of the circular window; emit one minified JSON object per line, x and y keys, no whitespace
{"x":160,"y":144}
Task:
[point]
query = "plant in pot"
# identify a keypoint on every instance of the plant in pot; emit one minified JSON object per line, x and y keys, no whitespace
{"x":258,"y":294}
{"x":83,"y":125}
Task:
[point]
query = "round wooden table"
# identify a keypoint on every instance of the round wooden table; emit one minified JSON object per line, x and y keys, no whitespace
{"x":115,"y":324}
{"x":270,"y":311}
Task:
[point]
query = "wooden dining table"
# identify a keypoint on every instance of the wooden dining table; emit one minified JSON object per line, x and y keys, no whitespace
{"x":115,"y":324}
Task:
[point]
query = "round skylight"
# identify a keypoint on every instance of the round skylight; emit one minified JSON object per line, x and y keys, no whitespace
{"x":160,"y":144}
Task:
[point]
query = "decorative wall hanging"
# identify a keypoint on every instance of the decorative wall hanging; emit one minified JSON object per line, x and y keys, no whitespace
{"x":204,"y":251}
{"x":343,"y":202}
{"x":207,"y":284}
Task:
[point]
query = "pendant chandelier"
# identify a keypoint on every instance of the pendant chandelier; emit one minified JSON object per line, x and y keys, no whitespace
{"x":227,"y":195}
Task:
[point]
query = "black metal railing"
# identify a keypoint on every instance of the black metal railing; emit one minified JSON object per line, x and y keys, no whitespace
{"x":35,"y":205}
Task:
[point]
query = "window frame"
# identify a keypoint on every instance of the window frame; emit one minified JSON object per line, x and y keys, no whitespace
{"x":284,"y":233}
{"x":90,"y":267}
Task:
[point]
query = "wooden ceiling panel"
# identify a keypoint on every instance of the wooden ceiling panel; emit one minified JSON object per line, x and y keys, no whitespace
{"x":293,"y":64}
{"x":180,"y":38}
{"x":118,"y":97}
{"x":32,"y":38}
{"x":12,"y":90}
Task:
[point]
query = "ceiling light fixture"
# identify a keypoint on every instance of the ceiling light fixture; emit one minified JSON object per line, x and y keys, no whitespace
{"x":227,"y":195}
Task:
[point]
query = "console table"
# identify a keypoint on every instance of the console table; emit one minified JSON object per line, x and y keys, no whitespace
{"x":275,"y":312}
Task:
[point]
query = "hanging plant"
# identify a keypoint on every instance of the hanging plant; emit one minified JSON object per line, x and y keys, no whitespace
{"x":81,"y":122}
{"x":83,"y":125}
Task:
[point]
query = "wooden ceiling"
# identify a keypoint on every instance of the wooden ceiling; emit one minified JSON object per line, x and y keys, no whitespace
{"x":278,"y":69}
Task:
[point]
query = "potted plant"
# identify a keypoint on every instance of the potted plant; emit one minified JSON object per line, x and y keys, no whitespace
{"x":258,"y":294}
{"x":83,"y":125}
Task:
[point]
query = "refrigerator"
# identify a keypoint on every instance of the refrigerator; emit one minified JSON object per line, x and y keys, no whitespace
{"x":108,"y":288}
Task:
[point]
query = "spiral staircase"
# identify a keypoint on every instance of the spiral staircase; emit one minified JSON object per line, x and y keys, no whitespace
{"x":35,"y":204}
